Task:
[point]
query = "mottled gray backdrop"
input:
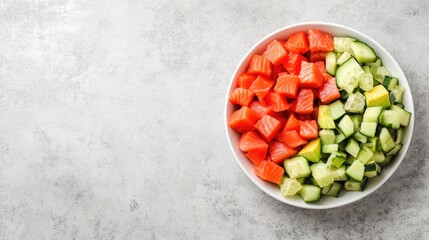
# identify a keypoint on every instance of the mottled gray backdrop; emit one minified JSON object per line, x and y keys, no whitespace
{"x":111,"y":121}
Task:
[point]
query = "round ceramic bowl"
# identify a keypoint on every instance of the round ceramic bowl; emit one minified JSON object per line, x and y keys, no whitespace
{"x":344,"y":197}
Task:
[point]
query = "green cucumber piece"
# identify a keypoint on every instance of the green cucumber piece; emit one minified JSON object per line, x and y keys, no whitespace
{"x":339,"y":174}
{"x":362,"y":52}
{"x":347,"y":75}
{"x":331,"y":63}
{"x":403,"y":115}
{"x":290,"y":186}
{"x":322,"y":174}
{"x":351,"y":185}
{"x":335,"y":189}
{"x":366,"y":81}
{"x":386,"y":141}
{"x":343,"y":58}
{"x":360,"y":137}
{"x":336,"y":159}
{"x":352,"y":147}
{"x":337,"y":109}
{"x":371,"y":114}
{"x":327,"y":136}
{"x":390,"y":119}
{"x":346,"y":126}
{"x":342,"y":44}
{"x":356,"y":171}
{"x":364,"y":155}
{"x":329,"y":148}
{"x":297,"y":167}
{"x":310,"y":193}
{"x":368,"y":128}
{"x":355,"y":103}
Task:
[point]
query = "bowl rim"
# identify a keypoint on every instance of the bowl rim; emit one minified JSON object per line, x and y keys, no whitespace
{"x":365,"y":193}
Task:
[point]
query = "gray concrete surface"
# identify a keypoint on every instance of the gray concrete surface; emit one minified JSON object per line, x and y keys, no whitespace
{"x":111,"y":121}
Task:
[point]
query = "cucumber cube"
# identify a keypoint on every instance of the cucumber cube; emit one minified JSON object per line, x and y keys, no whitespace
{"x":297,"y":167}
{"x":346,"y":126}
{"x":356,"y":171}
{"x":352,"y":147}
{"x":327,"y":136}
{"x":321,"y":174}
{"x":368,"y":128}
{"x":364,"y":155}
{"x":290,"y":186}
{"x":310,"y":193}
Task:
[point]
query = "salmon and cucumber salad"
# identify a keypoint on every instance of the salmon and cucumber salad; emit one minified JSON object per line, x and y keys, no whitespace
{"x":318,"y":114}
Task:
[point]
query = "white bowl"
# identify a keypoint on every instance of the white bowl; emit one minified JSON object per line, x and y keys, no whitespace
{"x":345,"y":197}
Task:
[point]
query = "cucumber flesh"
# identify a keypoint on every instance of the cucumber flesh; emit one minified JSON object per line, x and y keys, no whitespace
{"x":310,"y":193}
{"x":331,"y":63}
{"x":362,"y":52}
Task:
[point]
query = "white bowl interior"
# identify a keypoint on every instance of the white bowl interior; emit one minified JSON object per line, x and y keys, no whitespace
{"x":345,"y":197}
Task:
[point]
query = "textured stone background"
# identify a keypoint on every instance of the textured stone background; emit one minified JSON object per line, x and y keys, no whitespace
{"x":111,"y":121}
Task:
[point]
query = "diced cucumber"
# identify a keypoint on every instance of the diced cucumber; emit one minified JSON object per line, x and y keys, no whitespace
{"x":352,"y":147}
{"x":372,"y":143}
{"x":355,"y":103}
{"x":367,"y":69}
{"x":342,"y":44}
{"x":377,"y":157}
{"x":398,"y":92}
{"x":357,"y":120}
{"x":290,"y":186}
{"x":362,"y":52}
{"x":337,"y":109}
{"x":351,"y":185}
{"x":339,"y":138}
{"x":366,"y":81}
{"x":322,"y":174}
{"x":386,"y":161}
{"x":326,"y":189}
{"x":360,"y":137}
{"x":331,"y":63}
{"x":356,"y":171}
{"x":310,"y":193}
{"x":312,"y":151}
{"x":399,"y":135}
{"x":371,"y":114}
{"x":312,"y":181}
{"x":377,"y":63}
{"x":336,"y":159}
{"x":399,"y":105}
{"x":364,"y":155}
{"x":390,"y":82}
{"x":403,"y":115}
{"x":297,"y":167}
{"x":329,"y":148}
{"x":346,"y":126}
{"x":300,"y":180}
{"x":377,"y":96}
{"x":379,"y":73}
{"x":327,"y":136}
{"x":350,"y":159}
{"x":344,"y":57}
{"x":390,"y":119}
{"x":324,"y":118}
{"x":372,"y":169}
{"x":386,"y":141}
{"x":347,"y":75}
{"x":339,"y":174}
{"x":368,"y":128}
{"x":395,"y":150}
{"x":335,"y":189}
